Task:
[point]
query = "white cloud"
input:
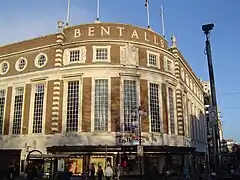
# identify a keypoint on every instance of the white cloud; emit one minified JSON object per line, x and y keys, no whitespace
{"x":22,"y":26}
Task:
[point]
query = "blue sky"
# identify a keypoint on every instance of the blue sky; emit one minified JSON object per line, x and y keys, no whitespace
{"x":29,"y":18}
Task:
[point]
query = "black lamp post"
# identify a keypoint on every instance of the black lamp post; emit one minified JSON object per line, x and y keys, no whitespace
{"x":139,"y":112}
{"x":207,"y":29}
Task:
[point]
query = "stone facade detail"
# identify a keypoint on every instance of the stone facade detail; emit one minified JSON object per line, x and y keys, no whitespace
{"x":129,"y":55}
{"x":59,"y":50}
{"x":177,"y":70}
{"x":83,"y":55}
{"x":123,"y":54}
{"x":55,"y":106}
{"x":180,"y":119}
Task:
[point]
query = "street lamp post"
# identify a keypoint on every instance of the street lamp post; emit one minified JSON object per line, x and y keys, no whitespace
{"x":207,"y":28}
{"x":139,"y":112}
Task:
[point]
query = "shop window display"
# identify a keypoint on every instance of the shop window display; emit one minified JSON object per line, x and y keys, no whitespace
{"x":75,"y":166}
{"x":101,"y":161}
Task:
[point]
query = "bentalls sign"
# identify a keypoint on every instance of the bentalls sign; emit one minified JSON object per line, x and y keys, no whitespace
{"x":117,"y":32}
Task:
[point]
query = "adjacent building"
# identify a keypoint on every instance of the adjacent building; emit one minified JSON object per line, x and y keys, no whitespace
{"x":73,"y":93}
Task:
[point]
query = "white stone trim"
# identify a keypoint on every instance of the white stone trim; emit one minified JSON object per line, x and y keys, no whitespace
{"x":87,"y":70}
{"x":17,"y":64}
{"x":94,"y":48}
{"x":160,"y":105}
{"x":93,"y":102}
{"x":31,"y":114}
{"x":128,"y":77}
{"x":82,"y":55}
{"x":37,"y":57}
{"x":64,"y":101}
{"x":20,"y":85}
{"x":3,"y":73}
{"x":157,"y":59}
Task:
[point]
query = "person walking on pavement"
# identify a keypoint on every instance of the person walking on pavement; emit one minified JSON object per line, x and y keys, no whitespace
{"x":100,"y":173}
{"x":108,"y":172}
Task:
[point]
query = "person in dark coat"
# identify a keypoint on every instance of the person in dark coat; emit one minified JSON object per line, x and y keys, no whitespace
{"x":100,"y":173}
{"x":92,"y":172}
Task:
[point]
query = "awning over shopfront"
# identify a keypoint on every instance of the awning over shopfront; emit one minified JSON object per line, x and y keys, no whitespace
{"x":96,"y":149}
{"x":45,"y":156}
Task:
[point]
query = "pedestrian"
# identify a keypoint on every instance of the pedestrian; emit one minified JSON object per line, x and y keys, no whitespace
{"x":11,"y":172}
{"x":92,"y":172}
{"x":100,"y":173}
{"x":186,"y":173}
{"x":108,"y":172}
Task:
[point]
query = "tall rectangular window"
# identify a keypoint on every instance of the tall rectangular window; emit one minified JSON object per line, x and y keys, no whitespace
{"x":38,"y":109}
{"x":154,"y":107}
{"x":17,"y":112}
{"x":101,"y":105}
{"x":188,"y":118}
{"x":171,"y":110}
{"x":193,"y":122}
{"x":2,"y":106}
{"x":185,"y":110}
{"x":72,"y":106}
{"x":130,"y":101}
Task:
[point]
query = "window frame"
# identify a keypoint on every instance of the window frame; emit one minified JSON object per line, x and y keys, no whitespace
{"x":4,"y":111}
{"x":66,"y":55}
{"x":37,"y":58}
{"x":191,"y":84}
{"x":182,"y":74}
{"x":166,"y":59}
{"x":12,"y":108}
{"x":1,"y":72}
{"x":32,"y":101}
{"x":157,"y":59}
{"x":131,"y":77}
{"x":175,"y":109}
{"x":160,"y":106}
{"x":65,"y":97}
{"x":187,"y":80}
{"x":94,"y":48}
{"x":93,"y":104}
{"x":17,"y":64}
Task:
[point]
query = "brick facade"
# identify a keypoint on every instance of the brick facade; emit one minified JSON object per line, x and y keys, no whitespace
{"x":54,"y":71}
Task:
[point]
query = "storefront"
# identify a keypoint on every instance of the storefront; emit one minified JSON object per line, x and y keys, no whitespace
{"x":78,"y":158}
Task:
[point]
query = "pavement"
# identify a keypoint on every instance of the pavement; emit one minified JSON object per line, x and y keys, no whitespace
{"x":193,"y":177}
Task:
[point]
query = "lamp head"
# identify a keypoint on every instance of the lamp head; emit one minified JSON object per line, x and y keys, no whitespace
{"x":207,"y":27}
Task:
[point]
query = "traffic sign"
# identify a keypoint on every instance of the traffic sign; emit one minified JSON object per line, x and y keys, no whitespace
{"x":140,"y":150}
